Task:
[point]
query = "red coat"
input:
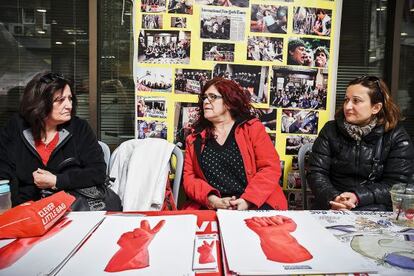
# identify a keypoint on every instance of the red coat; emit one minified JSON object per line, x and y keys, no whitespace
{"x":261,"y":163}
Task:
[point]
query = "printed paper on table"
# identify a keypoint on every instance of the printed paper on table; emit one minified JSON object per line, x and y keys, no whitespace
{"x":374,"y":236}
{"x":328,"y":255}
{"x":42,"y":255}
{"x":171,"y":250}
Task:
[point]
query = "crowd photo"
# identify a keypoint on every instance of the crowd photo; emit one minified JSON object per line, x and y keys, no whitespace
{"x":164,"y":47}
{"x":312,"y":21}
{"x":154,"y":79}
{"x":264,"y":48}
{"x":298,"y":88}
{"x":308,"y":52}
{"x":191,"y":80}
{"x":153,"y":5}
{"x":151,"y":107}
{"x":294,"y":143}
{"x":249,"y":77}
{"x":299,"y":121}
{"x":151,"y":129}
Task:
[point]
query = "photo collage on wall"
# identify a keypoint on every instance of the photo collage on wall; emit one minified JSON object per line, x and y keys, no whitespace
{"x":279,"y":51}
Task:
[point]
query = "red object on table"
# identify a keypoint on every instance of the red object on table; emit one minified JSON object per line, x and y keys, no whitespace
{"x":133,"y":253}
{"x":205,"y":253}
{"x":276,"y":241}
{"x":33,"y":219}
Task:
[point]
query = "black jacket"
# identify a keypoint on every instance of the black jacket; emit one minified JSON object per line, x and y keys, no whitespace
{"x":83,"y":165}
{"x":339,"y":164}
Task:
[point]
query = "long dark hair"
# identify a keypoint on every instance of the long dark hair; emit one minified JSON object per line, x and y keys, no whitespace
{"x":235,"y":98}
{"x":390,"y":114}
{"x":37,"y":100}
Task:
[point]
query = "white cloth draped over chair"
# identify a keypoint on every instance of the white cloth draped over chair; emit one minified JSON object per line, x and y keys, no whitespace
{"x":140,"y":168}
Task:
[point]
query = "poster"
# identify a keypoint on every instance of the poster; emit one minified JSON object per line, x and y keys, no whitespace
{"x":288,"y":246}
{"x":282,"y":51}
{"x":174,"y":234}
{"x":374,"y":236}
{"x":42,"y":255}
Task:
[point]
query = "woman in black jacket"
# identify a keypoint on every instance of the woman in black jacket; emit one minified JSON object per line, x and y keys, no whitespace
{"x":359,"y":156}
{"x":46,"y":147}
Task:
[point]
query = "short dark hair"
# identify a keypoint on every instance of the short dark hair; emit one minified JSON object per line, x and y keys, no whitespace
{"x":318,"y":11}
{"x":37,"y":100}
{"x":294,"y":43}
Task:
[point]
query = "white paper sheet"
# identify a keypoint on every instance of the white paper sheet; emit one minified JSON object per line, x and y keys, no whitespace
{"x":170,"y":251}
{"x":45,"y":256}
{"x":245,"y":255}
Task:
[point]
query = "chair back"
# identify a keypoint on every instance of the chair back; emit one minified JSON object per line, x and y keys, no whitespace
{"x":178,"y":171}
{"x":305,"y":149}
{"x":107,"y":154}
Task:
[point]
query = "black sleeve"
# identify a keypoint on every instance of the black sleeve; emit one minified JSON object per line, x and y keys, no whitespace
{"x":319,"y":167}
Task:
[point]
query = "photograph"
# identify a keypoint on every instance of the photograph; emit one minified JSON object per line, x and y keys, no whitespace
{"x":312,"y":21}
{"x":251,"y":77}
{"x":268,"y":118}
{"x":151,"y":129}
{"x":224,"y":3}
{"x":151,"y":107}
{"x":153,"y":5}
{"x":151,"y":21}
{"x":186,"y":114}
{"x":154,"y":79}
{"x":190,"y":81}
{"x":272,"y":136}
{"x":294,"y":198}
{"x":264,"y":48}
{"x":180,"y":6}
{"x":268,"y":19}
{"x":293,"y":143}
{"x":214,"y":26}
{"x":298,"y":88}
{"x":293,"y":180}
{"x":178,"y":22}
{"x":213,"y":51}
{"x":308,"y":52}
{"x":164,"y":47}
{"x":299,"y":121}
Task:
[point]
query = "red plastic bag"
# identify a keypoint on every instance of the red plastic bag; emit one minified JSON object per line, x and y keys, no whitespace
{"x":33,"y":219}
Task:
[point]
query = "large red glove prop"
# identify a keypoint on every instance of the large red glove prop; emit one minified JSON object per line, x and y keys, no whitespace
{"x":12,"y":252}
{"x":205,"y":253}
{"x":33,"y":219}
{"x":133,"y":253}
{"x":275,"y":239}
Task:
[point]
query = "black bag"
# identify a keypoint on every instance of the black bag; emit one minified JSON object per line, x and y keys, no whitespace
{"x":94,"y":198}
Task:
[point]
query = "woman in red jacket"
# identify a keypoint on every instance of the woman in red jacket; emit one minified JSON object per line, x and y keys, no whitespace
{"x":230,"y":162}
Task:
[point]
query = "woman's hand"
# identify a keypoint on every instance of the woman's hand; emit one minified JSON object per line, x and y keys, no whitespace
{"x":240,"y":204}
{"x":345,"y":201}
{"x":216,"y":202}
{"x":44,"y":179}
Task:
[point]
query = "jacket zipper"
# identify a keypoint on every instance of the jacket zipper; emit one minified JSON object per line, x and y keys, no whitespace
{"x":59,"y":146}
{"x":358,"y":151}
{"x":29,"y":146}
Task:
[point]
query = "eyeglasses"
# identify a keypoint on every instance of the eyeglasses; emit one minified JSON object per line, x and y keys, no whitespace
{"x":51,"y":77}
{"x":211,"y":97}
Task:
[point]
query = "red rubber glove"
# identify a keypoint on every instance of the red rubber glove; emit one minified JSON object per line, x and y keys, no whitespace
{"x":275,"y":239}
{"x":205,"y":253}
{"x":13,"y":251}
{"x":133,"y":253}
